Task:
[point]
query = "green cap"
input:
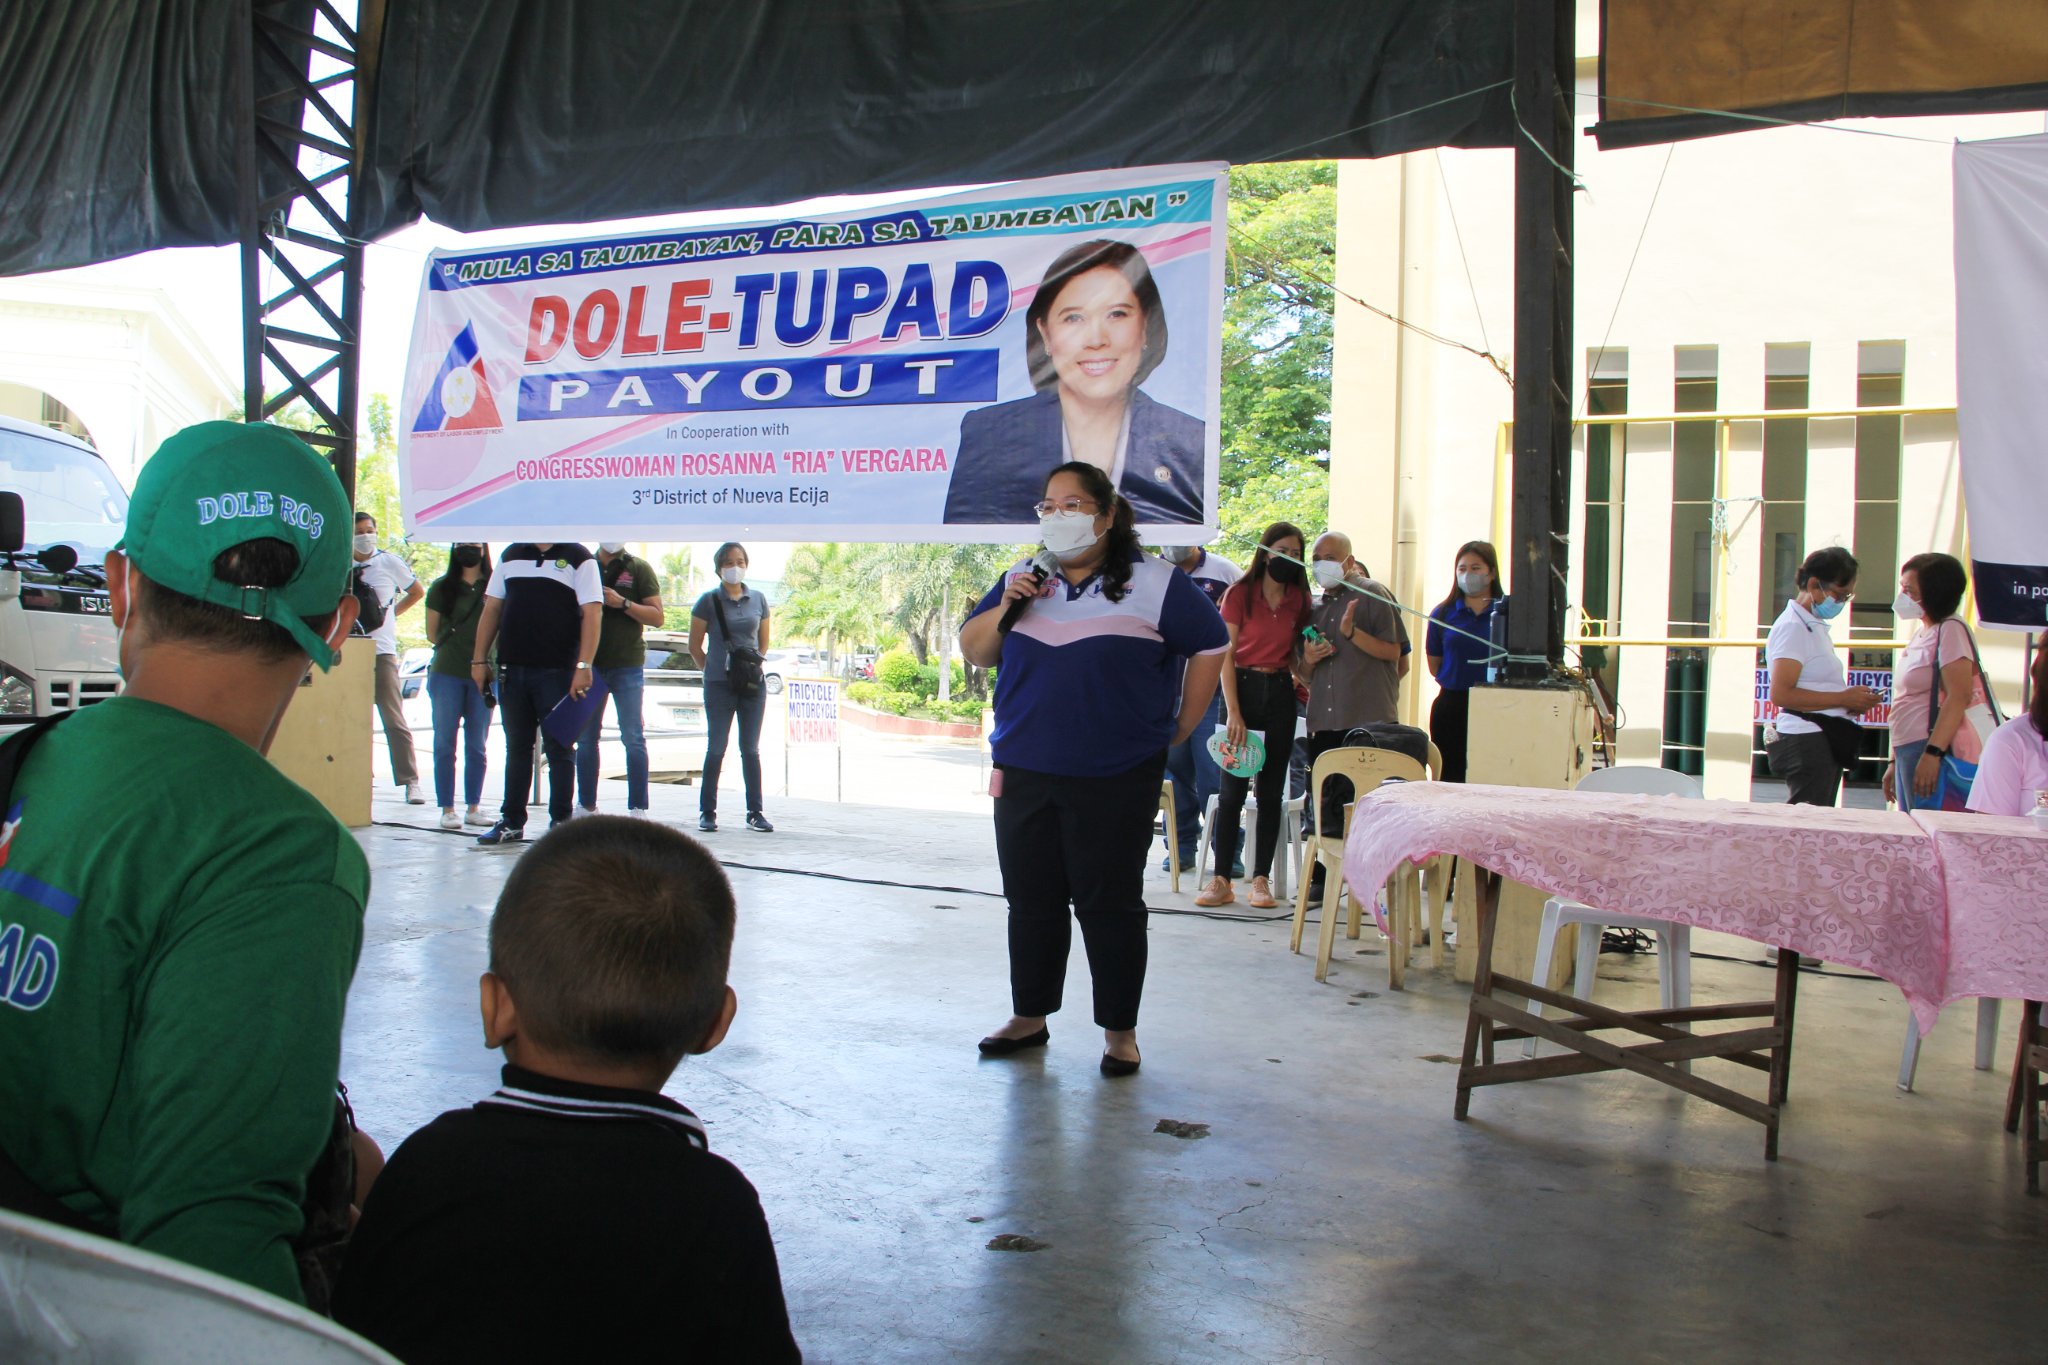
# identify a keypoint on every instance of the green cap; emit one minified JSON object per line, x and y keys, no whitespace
{"x":215,"y":485}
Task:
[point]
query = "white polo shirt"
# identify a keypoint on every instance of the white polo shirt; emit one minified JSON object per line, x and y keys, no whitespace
{"x":390,"y":578}
{"x":1803,"y":638}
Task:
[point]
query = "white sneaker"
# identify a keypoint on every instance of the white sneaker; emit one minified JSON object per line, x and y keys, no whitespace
{"x":412,"y":795}
{"x":450,"y":820}
{"x":578,"y":812}
{"x":639,"y":813}
{"x":473,"y":816}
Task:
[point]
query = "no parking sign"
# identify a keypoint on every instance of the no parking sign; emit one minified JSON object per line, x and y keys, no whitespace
{"x":811,"y":716}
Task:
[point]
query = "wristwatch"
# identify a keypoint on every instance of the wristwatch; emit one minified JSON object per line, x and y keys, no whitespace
{"x":581,"y":664}
{"x":1936,"y":750}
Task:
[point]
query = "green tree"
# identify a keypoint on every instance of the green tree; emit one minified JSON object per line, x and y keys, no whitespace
{"x":1277,"y":333}
{"x":833,"y":594}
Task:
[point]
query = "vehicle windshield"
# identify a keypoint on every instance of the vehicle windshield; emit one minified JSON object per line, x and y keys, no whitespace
{"x":67,"y":494}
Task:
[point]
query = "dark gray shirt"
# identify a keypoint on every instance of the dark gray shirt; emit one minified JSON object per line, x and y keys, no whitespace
{"x":1351,"y":687}
{"x":744,"y":614}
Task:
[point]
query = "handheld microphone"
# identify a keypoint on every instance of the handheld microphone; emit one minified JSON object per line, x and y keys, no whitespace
{"x":1044,"y":565}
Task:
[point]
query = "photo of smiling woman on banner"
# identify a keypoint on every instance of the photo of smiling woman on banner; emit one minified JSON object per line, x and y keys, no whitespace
{"x":1093,"y":332}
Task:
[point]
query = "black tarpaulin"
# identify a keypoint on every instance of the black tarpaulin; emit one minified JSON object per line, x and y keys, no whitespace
{"x":117,"y":117}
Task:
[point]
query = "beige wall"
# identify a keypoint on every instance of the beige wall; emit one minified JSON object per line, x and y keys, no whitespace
{"x":1796,"y":235}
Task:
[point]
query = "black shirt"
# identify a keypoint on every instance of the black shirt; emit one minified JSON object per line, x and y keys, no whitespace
{"x":544,"y":593}
{"x":556,"y":1221}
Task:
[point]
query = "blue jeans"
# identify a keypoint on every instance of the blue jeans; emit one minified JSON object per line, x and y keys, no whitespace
{"x":527,"y":694}
{"x":626,"y":685}
{"x":720,"y":706}
{"x":1195,"y":779}
{"x":1905,"y":758}
{"x":459,"y":702}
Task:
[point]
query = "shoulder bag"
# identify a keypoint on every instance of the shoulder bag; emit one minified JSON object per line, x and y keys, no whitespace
{"x":743,"y":671}
{"x":1958,"y":774}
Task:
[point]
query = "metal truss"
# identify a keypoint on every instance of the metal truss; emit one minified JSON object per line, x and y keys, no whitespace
{"x":303,"y":93}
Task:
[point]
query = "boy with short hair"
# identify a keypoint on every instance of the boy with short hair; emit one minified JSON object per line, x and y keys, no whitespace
{"x":578,"y":1213}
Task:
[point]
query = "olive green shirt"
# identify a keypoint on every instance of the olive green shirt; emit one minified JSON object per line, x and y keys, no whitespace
{"x":619,"y":643}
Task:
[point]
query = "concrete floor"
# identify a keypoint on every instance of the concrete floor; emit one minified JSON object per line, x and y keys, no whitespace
{"x":1335,"y":1211}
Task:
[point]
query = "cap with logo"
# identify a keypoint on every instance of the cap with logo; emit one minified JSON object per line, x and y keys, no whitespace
{"x":215,"y":485}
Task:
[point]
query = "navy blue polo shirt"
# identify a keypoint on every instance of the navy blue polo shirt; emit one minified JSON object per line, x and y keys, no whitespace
{"x":1464,"y":659}
{"x":1088,"y":687}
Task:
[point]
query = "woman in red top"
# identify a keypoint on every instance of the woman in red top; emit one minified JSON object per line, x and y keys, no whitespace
{"x":1264,"y":611}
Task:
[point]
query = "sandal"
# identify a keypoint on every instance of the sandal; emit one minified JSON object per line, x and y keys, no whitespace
{"x":1261,"y":897}
{"x":1217,"y":892}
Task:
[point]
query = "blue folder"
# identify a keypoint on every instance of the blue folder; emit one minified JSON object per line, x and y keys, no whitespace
{"x":571,"y":717}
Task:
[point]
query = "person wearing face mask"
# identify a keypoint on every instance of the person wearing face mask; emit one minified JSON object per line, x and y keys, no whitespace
{"x":1264,"y":611}
{"x":1094,"y":331}
{"x":1355,"y":669}
{"x":1457,"y":660}
{"x":632,"y":602}
{"x":455,"y":602}
{"x":731,"y":616}
{"x":184,"y":919}
{"x":1189,"y":767}
{"x":1931,"y":588}
{"x":1112,"y":661}
{"x":1810,"y":686}
{"x":397,"y":589}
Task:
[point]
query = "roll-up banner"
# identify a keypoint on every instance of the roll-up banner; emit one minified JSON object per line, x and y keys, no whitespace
{"x":909,"y":372}
{"x":2001,"y":196}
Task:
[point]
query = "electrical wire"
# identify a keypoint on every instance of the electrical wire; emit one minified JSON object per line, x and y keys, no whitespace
{"x":894,"y":884}
{"x":1824,"y":126}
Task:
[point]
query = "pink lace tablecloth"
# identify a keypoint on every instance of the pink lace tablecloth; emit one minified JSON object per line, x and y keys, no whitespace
{"x":1861,"y":888}
{"x":1994,"y":872}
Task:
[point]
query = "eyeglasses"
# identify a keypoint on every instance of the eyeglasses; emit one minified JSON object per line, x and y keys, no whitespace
{"x":1047,"y":507}
{"x":1839,"y":594}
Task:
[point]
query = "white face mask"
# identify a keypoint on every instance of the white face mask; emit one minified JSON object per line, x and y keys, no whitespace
{"x":1475,"y":582}
{"x":366,"y":545}
{"x":1068,"y":534}
{"x":611,"y":547}
{"x":1329,"y":573}
{"x":732,"y":573}
{"x":1906,"y":609}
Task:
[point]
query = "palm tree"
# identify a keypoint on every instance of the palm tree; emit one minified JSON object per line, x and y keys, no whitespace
{"x":834,"y":594}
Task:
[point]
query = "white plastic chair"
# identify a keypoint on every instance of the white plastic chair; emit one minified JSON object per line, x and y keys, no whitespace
{"x":1987,"y":1043}
{"x":73,"y":1296}
{"x":1674,"y":941}
{"x":1286,"y":848}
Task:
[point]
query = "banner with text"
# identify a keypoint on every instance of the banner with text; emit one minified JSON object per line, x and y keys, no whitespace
{"x":2001,"y":207}
{"x":909,"y":372}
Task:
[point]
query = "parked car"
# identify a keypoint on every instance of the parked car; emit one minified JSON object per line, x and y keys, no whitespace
{"x":412,"y":672}
{"x":674,"y":699}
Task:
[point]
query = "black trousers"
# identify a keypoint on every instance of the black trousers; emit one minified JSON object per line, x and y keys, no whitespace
{"x":1079,"y":841}
{"x":525,"y":696}
{"x":1266,"y":701}
{"x":1449,"y":716}
{"x":1329,"y":818}
{"x":1806,"y":764}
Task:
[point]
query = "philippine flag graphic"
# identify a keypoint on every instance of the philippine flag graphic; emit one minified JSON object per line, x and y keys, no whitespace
{"x":12,"y":824}
{"x":460,"y":398}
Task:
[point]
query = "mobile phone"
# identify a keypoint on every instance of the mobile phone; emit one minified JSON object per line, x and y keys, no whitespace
{"x":1312,"y":635}
{"x":490,"y":695}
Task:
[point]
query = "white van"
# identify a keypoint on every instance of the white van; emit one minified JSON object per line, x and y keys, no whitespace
{"x":61,"y":510}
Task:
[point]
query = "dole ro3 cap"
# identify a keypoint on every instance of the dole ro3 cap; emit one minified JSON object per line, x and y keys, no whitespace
{"x":215,"y":485}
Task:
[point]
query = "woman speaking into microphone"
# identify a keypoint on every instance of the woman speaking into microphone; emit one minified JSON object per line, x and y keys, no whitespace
{"x":1110,"y":660}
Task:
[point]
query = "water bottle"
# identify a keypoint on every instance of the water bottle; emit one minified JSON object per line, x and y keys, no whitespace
{"x":1497,"y":640}
{"x":2039,"y":814}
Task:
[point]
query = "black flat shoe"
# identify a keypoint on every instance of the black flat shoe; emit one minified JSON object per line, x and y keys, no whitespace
{"x":993,"y":1046}
{"x":1117,"y":1066}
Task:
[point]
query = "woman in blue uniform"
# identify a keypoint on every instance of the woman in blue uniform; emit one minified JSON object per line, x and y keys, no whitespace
{"x":1089,"y":695}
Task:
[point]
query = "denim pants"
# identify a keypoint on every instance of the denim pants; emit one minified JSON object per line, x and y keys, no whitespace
{"x":525,"y":695}
{"x":1195,"y":779}
{"x":720,"y":706}
{"x":626,"y":684}
{"x":1905,"y":758}
{"x":459,"y":703}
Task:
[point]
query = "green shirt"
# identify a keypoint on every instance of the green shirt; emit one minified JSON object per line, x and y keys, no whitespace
{"x":461,"y":605}
{"x":618,"y":635}
{"x":179,"y":922}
